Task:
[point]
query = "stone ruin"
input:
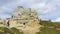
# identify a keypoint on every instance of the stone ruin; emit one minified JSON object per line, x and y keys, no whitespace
{"x":25,"y":20}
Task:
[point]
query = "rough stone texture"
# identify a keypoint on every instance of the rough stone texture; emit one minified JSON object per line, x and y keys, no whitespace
{"x":25,"y":20}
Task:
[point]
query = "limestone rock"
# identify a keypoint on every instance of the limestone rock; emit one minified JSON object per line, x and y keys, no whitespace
{"x":25,"y":19}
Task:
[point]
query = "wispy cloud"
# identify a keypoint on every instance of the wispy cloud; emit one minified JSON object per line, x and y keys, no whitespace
{"x":44,"y":8}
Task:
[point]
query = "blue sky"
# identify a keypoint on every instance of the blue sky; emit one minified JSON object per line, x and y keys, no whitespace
{"x":46,"y":9}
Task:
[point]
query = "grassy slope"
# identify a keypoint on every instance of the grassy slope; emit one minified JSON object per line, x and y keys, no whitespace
{"x":4,"y":30}
{"x":45,"y":30}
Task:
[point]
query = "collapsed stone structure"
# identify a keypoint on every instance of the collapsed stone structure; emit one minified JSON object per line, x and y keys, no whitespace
{"x":24,"y":19}
{"x":23,"y":16}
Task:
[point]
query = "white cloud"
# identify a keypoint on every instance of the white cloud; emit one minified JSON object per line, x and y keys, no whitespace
{"x":43,"y":7}
{"x":56,"y":20}
{"x":38,"y":5}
